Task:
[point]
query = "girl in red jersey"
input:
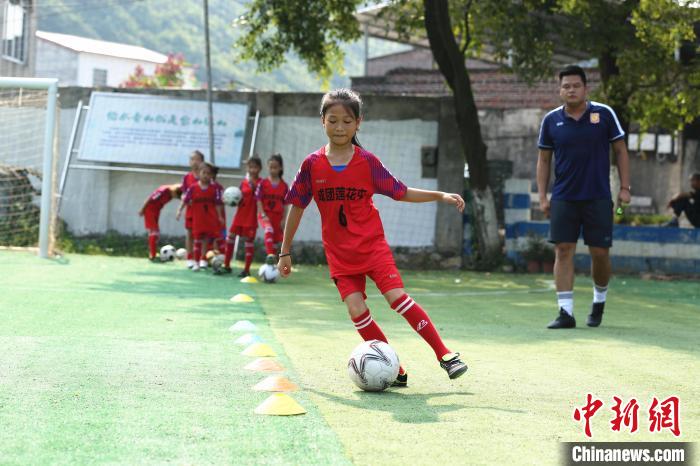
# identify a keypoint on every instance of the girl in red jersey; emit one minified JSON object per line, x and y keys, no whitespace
{"x":204,"y":200}
{"x":220,"y":243}
{"x":244,"y":222}
{"x":150,"y":211}
{"x":196,"y":159}
{"x":342,"y":177}
{"x":270,"y":196}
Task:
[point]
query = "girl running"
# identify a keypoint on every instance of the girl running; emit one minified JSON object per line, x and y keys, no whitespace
{"x":342,"y":177}
{"x":270,"y":196}
{"x":204,"y":200}
{"x":244,"y":223}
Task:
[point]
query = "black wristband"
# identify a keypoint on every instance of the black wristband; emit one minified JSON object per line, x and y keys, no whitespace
{"x":284,"y":255}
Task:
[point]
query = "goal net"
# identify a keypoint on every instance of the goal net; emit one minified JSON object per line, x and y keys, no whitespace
{"x":27,"y":180}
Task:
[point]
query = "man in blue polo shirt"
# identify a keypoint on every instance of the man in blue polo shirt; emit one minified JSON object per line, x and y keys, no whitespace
{"x":579,"y":135}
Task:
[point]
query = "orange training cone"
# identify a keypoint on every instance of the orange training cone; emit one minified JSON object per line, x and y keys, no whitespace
{"x":280,"y":404}
{"x":260,"y":350}
{"x":276,"y":383}
{"x":264,"y":365}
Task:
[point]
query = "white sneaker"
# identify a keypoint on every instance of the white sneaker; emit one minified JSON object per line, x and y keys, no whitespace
{"x":195,"y":267}
{"x":190,"y":263}
{"x":203,"y":264}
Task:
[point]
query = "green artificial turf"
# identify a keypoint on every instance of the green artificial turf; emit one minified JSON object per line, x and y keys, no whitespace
{"x":115,"y":360}
{"x":516,"y":402}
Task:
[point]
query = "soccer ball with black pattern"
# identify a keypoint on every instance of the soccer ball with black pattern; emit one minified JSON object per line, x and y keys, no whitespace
{"x":268,"y":273}
{"x":373,"y":365}
{"x":167,"y":253}
{"x":232,"y":196}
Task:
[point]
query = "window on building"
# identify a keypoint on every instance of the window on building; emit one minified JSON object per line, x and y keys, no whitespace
{"x":99,"y":77}
{"x":15,"y":31}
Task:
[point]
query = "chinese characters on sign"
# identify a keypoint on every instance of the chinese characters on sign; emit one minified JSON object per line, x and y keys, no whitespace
{"x":662,"y":414}
{"x":157,"y":130}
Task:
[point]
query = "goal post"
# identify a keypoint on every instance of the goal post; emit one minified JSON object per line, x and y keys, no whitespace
{"x":50,"y":86}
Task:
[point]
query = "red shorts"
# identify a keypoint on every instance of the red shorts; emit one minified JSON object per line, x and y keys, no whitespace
{"x":188,"y":220}
{"x":150,"y":218}
{"x":386,"y":277}
{"x":243,"y":232}
{"x":203,"y":234}
{"x":273,"y":221}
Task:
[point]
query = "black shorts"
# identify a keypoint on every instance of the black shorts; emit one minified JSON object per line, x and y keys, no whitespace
{"x":595,"y":218}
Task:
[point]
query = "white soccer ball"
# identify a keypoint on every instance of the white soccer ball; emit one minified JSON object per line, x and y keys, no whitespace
{"x":167,"y":253}
{"x":268,"y":273}
{"x":232,"y":196}
{"x":217,"y":262}
{"x":373,"y":365}
{"x":181,"y":253}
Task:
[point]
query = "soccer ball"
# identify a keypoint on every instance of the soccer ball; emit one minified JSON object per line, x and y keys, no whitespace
{"x":232,"y":196}
{"x":167,"y":253}
{"x":373,"y":366}
{"x":217,"y":262}
{"x":181,"y":253}
{"x":268,"y":273}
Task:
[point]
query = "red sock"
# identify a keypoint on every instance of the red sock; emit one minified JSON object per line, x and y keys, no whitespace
{"x":370,"y":330}
{"x":269,"y":242}
{"x":249,"y":253}
{"x":153,"y":237}
{"x":230,"y":242}
{"x":419,"y":320}
{"x":220,"y":245}
{"x":197,"y":250}
{"x":190,"y":255}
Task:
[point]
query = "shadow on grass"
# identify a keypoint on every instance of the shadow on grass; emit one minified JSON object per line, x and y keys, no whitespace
{"x":489,"y":319}
{"x":408,"y":408}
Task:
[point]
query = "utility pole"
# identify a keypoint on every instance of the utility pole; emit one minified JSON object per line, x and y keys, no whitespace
{"x":210,"y":106}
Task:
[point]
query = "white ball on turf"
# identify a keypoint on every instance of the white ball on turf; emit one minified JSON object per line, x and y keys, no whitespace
{"x":268,"y":273}
{"x":217,"y":262}
{"x":167,"y":253}
{"x":373,"y":365}
{"x":181,"y":253}
{"x":232,"y":196}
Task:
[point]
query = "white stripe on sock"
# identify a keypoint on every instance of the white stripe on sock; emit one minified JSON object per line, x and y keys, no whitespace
{"x":369,"y":317}
{"x":405,"y":301}
{"x":401,"y":310}
{"x":358,"y":327}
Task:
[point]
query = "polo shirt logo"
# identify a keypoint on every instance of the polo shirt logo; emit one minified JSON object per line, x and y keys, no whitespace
{"x":595,"y":118}
{"x":560,"y":123}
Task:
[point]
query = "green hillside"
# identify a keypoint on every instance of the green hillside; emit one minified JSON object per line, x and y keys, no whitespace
{"x":167,"y":26}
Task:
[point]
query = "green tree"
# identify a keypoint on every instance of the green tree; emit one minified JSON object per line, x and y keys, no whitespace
{"x":455,"y":29}
{"x":167,"y":75}
{"x":646,"y":55}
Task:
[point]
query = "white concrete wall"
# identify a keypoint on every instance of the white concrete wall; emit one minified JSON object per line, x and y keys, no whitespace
{"x":54,"y":61}
{"x":97,"y":201}
{"x":118,"y":69}
{"x":396,"y":143}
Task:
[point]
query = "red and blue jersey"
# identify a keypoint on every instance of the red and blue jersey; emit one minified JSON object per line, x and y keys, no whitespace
{"x":247,"y":210}
{"x":352,"y":231}
{"x":159,"y":197}
{"x":272,"y":196}
{"x":203,"y":203}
